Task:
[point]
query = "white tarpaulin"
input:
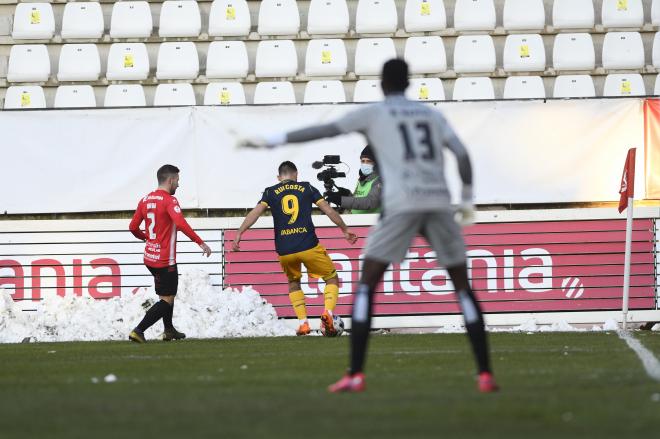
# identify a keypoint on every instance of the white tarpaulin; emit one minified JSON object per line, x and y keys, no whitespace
{"x":106,"y":159}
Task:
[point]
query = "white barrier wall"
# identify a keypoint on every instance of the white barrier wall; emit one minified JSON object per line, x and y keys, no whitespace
{"x":105,"y":159}
{"x":520,"y":263}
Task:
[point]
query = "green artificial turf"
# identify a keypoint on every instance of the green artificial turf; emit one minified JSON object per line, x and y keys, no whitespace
{"x":554,"y":385}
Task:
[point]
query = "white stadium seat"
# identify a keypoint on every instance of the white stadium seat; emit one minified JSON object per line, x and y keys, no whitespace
{"x":623,"y":13}
{"x":326,"y":58}
{"x":177,"y":60}
{"x":179,"y":19}
{"x":131,"y":19}
{"x":425,"y":55}
{"x":28,"y":63}
{"x":574,"y":86}
{"x":655,"y":13}
{"x":227,"y":59}
{"x":573,"y":14}
{"x":425,"y":89}
{"x":524,"y":53}
{"x":276,"y":59}
{"x":376,"y":17}
{"x":656,"y":50}
{"x":82,"y":20}
{"x":324,"y":92}
{"x":368,"y":90}
{"x":24,"y":96}
{"x":624,"y":84}
{"x":656,"y":89}
{"x":623,"y":50}
{"x":425,"y":16}
{"x":79,"y":62}
{"x":278,"y":17}
{"x":33,"y":21}
{"x":174,"y":95}
{"x":75,"y":96}
{"x":524,"y":15}
{"x":474,"y":15}
{"x":274,"y":93}
{"x":524,"y":87}
{"x":371,"y":54}
{"x":128,"y":61}
{"x":229,"y":18}
{"x":474,"y":53}
{"x":473,"y":89}
{"x":224,"y":93}
{"x":124,"y":95}
{"x":574,"y":52}
{"x":327,"y":17}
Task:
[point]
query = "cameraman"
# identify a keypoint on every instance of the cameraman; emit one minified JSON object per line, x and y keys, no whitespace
{"x":366,"y":198}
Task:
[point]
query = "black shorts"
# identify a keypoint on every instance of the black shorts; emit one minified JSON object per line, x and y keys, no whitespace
{"x":166,"y":280}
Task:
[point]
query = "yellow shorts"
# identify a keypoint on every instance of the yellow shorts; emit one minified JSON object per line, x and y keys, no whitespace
{"x":316,"y":260}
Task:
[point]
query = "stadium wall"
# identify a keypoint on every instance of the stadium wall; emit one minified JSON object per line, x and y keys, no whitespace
{"x":550,"y":266}
{"x":556,"y":151}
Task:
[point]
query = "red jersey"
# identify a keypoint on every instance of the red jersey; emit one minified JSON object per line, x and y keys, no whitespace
{"x":162,"y":216}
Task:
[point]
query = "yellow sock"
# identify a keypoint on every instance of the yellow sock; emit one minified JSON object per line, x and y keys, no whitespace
{"x":298,"y":301}
{"x":330,"y":295}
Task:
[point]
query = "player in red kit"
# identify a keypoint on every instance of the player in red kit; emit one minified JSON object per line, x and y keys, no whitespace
{"x":162,"y":216}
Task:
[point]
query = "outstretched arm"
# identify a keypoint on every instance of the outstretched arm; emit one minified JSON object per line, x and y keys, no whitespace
{"x":336,"y":218}
{"x":174,"y":211}
{"x":356,"y":120}
{"x":248,"y":222}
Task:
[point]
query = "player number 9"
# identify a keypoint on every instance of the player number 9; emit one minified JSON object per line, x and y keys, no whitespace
{"x":290,"y":207}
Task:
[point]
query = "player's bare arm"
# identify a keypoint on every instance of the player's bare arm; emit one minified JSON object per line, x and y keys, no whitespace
{"x":336,"y":218}
{"x":248,"y":222}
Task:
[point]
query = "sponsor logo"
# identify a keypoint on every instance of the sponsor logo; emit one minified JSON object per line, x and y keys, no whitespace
{"x":99,"y":278}
{"x":572,"y":287}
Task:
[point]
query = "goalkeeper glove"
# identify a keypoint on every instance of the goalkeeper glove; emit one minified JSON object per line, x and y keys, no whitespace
{"x":466,"y":208}
{"x":260,"y":142}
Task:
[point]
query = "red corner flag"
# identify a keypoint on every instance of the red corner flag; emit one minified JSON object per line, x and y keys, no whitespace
{"x":627,"y":180}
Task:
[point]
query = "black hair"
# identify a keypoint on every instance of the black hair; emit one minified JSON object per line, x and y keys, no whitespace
{"x":165,"y":172}
{"x":286,"y":168}
{"x":394,"y":77}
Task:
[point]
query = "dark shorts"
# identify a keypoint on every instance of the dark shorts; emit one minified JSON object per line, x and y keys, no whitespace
{"x":166,"y":280}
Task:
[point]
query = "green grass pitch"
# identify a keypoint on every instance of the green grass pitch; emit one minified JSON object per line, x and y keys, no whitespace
{"x":554,"y":385}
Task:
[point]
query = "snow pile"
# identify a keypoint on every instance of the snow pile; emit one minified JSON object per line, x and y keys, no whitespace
{"x":201,"y":311}
{"x":450,"y":328}
{"x":531,"y":326}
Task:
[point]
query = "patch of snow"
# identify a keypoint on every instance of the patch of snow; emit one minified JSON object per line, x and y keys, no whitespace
{"x":201,"y":311}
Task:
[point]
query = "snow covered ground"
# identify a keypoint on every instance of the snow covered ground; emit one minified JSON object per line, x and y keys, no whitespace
{"x":201,"y":311}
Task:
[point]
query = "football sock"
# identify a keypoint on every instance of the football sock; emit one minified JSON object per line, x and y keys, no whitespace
{"x":302,"y":322}
{"x":474,"y":323}
{"x":153,"y":314}
{"x":167,"y":318}
{"x":330,"y":295}
{"x":298,"y":301}
{"x":360,"y":327}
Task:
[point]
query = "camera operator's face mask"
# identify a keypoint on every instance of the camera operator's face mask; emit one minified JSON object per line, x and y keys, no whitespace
{"x":367,"y":168}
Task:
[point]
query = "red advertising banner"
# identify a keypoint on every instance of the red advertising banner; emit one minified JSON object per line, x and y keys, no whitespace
{"x":515,"y":267}
{"x":652,"y":147}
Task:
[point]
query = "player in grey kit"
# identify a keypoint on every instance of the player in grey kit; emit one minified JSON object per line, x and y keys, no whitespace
{"x":408,"y":139}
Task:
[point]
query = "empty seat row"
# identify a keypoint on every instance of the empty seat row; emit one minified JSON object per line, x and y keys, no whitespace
{"x":332,"y":91}
{"x":133,"y":19}
{"x":328,"y":57}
